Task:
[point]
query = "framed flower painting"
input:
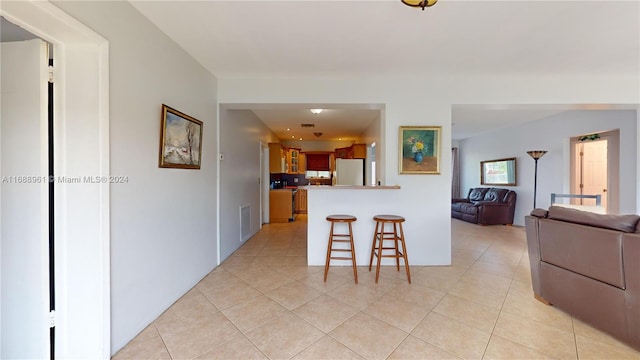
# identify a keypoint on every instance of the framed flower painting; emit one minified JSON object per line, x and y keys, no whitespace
{"x":180,"y":140}
{"x":419,"y":149}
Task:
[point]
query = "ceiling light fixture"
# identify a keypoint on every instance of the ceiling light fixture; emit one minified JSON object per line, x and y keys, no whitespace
{"x":317,"y":134}
{"x":316,"y":111}
{"x":420,"y":3}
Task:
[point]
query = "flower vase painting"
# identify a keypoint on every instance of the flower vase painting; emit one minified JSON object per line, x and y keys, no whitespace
{"x":419,"y":149}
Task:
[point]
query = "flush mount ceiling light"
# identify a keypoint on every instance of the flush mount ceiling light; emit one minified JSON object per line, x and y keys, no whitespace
{"x":316,"y":111}
{"x":420,"y":3}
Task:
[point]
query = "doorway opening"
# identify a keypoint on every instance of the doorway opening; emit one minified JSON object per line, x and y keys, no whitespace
{"x":81,"y":145}
{"x":594,"y":169}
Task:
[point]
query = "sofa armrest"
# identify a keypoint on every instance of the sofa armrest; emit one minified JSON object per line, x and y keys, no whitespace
{"x":540,"y":213}
{"x":631,"y":246}
{"x":533,"y":246}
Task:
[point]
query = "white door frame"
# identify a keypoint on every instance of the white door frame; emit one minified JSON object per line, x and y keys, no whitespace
{"x":613,"y":168}
{"x":264,"y":184}
{"x":81,"y":87}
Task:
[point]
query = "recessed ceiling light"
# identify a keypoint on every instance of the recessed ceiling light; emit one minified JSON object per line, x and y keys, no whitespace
{"x":300,"y":138}
{"x":288,"y":129}
{"x":293,"y":137}
{"x":316,"y":111}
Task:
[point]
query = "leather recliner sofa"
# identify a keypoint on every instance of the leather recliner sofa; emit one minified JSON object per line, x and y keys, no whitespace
{"x":485,"y":206}
{"x":588,"y":265}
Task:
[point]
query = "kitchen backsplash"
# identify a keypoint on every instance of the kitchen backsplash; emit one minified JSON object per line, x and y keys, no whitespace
{"x":302,"y":181}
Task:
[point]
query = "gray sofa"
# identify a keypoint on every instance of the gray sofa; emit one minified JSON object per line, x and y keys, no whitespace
{"x":588,"y":265}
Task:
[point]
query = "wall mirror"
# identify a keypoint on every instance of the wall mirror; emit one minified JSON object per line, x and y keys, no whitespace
{"x":498,"y":172}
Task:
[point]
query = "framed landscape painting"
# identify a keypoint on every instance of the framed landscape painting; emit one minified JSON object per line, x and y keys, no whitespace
{"x":180,"y":140}
{"x":419,"y":149}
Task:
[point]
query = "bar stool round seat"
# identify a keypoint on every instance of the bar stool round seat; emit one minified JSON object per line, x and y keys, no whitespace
{"x":389,"y":229}
{"x":345,"y":238}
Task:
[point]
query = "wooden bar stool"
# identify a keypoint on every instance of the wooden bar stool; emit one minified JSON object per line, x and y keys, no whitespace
{"x":341,"y":238}
{"x":397,"y":235}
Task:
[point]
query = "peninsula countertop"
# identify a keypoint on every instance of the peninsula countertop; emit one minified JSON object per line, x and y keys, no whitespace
{"x":350,"y":187}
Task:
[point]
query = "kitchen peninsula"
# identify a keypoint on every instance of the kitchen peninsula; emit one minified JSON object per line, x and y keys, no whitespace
{"x":361,"y":201}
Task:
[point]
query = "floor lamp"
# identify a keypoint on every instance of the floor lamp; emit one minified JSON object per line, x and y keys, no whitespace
{"x":536,"y":154}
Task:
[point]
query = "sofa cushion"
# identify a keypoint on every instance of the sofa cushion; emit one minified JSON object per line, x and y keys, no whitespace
{"x":590,"y":251}
{"x":477,"y":194}
{"x":470,"y":209}
{"x":626,"y":223}
{"x":456,"y":206}
{"x":495,"y":195}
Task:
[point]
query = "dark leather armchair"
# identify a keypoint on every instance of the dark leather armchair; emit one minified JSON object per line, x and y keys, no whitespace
{"x":588,"y":265}
{"x":485,"y":206}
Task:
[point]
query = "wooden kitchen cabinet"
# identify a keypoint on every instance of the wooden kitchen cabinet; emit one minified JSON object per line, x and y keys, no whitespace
{"x":355,"y":151}
{"x":359,"y":151}
{"x":292,"y":160}
{"x":276,"y":158}
{"x":342,"y":153}
{"x":332,"y":162}
{"x":301,"y":201}
{"x":302,"y":163}
{"x":280,"y":206}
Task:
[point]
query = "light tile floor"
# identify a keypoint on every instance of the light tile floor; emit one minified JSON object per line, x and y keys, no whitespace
{"x":263,"y":302}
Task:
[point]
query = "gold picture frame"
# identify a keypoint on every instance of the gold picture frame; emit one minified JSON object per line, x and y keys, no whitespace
{"x":180,"y":140}
{"x":500,"y":172}
{"x":419,"y":149}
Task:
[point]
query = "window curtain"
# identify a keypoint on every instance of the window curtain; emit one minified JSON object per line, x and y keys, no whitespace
{"x":511,"y":172}
{"x":318,"y":162}
{"x":455,"y":173}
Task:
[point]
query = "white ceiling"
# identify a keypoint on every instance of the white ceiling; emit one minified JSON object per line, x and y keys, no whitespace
{"x":11,"y":32}
{"x":271,"y":38}
{"x":286,"y":122}
{"x":335,"y":38}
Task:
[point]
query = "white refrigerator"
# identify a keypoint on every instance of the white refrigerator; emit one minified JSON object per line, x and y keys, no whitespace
{"x":349,"y":172}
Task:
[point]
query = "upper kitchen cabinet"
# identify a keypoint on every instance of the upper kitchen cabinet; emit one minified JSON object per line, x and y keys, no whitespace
{"x":276,"y":158}
{"x":302,"y":163}
{"x":293,"y":156}
{"x":359,"y":151}
{"x":355,"y":151}
{"x":343,"y":153}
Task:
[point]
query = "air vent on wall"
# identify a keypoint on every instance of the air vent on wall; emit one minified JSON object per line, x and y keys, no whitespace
{"x":308,"y":125}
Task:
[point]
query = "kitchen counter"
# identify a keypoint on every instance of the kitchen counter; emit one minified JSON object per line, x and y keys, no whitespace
{"x":363,"y":202}
{"x":352,"y":187}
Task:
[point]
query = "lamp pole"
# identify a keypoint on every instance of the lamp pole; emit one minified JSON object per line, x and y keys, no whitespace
{"x":535,"y":154}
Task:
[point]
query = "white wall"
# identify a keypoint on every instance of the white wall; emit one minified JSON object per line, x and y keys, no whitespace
{"x":163,"y":221}
{"x":551,"y":134}
{"x":427,"y":100}
{"x":239,"y":173}
{"x":373,"y":134}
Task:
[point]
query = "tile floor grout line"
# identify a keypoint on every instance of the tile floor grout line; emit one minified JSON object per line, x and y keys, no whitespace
{"x":236,"y":327}
{"x":162,"y":339}
{"x":496,"y":255}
